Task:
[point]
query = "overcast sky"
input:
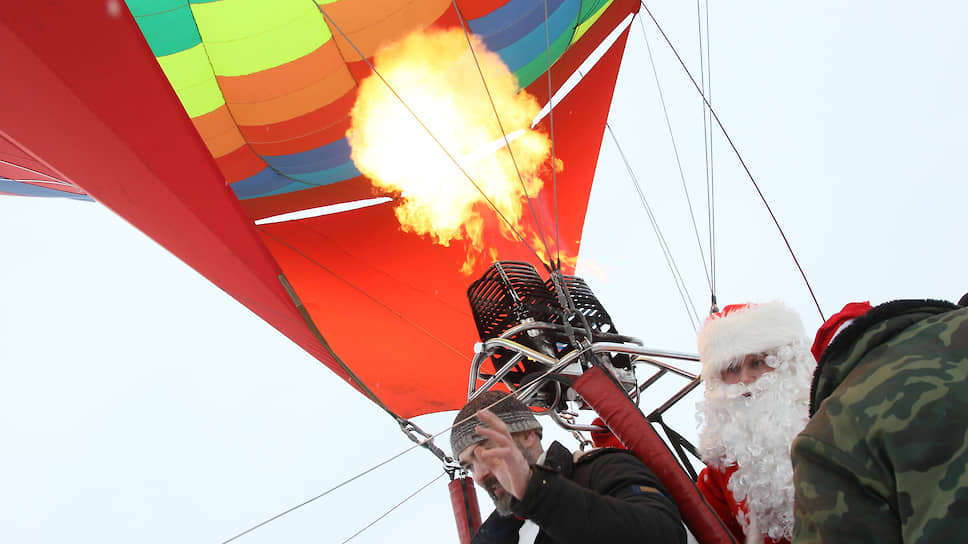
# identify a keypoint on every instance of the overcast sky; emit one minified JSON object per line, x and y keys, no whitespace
{"x":139,"y":403}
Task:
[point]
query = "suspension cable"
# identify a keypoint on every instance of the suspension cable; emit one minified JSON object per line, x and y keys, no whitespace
{"x":711,"y":192}
{"x":705,"y":75}
{"x":551,"y":121}
{"x":323,"y":494}
{"x":374,"y":467}
{"x":742,"y":162}
{"x":394,"y":507}
{"x":666,"y":252}
{"x":675,"y":151}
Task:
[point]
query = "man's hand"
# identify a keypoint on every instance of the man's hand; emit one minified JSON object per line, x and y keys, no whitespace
{"x":502,"y":455}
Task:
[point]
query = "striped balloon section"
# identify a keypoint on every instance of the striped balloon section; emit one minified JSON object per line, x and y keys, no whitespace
{"x":269,"y":84}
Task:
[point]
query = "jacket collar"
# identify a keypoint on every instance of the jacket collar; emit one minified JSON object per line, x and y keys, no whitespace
{"x":867,"y":332}
{"x":558,"y":458}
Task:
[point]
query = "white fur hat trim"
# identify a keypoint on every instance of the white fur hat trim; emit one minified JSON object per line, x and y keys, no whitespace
{"x":740,"y":330}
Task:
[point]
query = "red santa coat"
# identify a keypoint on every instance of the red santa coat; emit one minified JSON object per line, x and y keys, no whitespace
{"x":712,"y":484}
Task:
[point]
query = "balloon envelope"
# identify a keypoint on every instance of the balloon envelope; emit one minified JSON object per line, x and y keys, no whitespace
{"x":194,"y":120}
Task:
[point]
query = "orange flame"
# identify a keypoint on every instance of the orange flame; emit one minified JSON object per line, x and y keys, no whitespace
{"x":437,"y":77}
{"x":550,"y":255}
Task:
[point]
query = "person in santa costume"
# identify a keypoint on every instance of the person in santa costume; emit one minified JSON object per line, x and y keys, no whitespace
{"x":757,"y":368}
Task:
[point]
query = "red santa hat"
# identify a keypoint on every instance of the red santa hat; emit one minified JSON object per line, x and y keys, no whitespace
{"x":741,"y":329}
{"x":836,"y":323}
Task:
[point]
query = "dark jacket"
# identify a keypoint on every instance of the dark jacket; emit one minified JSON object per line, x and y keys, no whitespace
{"x":884,"y":457}
{"x":606,"y":495}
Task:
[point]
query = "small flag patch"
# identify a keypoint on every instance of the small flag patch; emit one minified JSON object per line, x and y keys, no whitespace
{"x":645,"y":489}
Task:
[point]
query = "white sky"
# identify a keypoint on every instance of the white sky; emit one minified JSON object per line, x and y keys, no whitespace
{"x":138,"y":403}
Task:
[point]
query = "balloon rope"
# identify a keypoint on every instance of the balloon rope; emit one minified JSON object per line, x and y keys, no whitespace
{"x":394,"y":507}
{"x":707,"y":141}
{"x":741,"y":161}
{"x":507,"y":144}
{"x":551,"y":123}
{"x":440,"y":144}
{"x":323,"y":494}
{"x":367,"y":471}
{"x":666,"y":252}
{"x":711,"y":193}
{"x":675,"y":151}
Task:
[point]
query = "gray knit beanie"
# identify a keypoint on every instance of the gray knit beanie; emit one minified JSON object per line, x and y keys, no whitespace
{"x":512,"y":412}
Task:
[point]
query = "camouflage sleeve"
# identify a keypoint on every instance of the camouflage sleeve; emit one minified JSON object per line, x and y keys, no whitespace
{"x":885,"y":458}
{"x":837,"y":500}
{"x":904,"y":479}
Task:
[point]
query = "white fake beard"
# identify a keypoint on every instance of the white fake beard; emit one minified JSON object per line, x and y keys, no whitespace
{"x":755,"y":432}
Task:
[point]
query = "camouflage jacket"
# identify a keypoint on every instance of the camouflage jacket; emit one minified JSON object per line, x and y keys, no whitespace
{"x":884,"y":457}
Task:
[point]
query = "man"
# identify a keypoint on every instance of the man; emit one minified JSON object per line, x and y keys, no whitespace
{"x":756,"y":365}
{"x":553,"y":496}
{"x":885,"y":456}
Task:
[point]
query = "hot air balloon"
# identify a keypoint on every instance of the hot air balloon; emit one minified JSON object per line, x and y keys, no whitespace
{"x":272,"y":91}
{"x":265,"y":135}
{"x":275,"y":123}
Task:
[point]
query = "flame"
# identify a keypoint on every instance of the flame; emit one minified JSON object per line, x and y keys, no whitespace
{"x":435,"y":74}
{"x":551,"y":256}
